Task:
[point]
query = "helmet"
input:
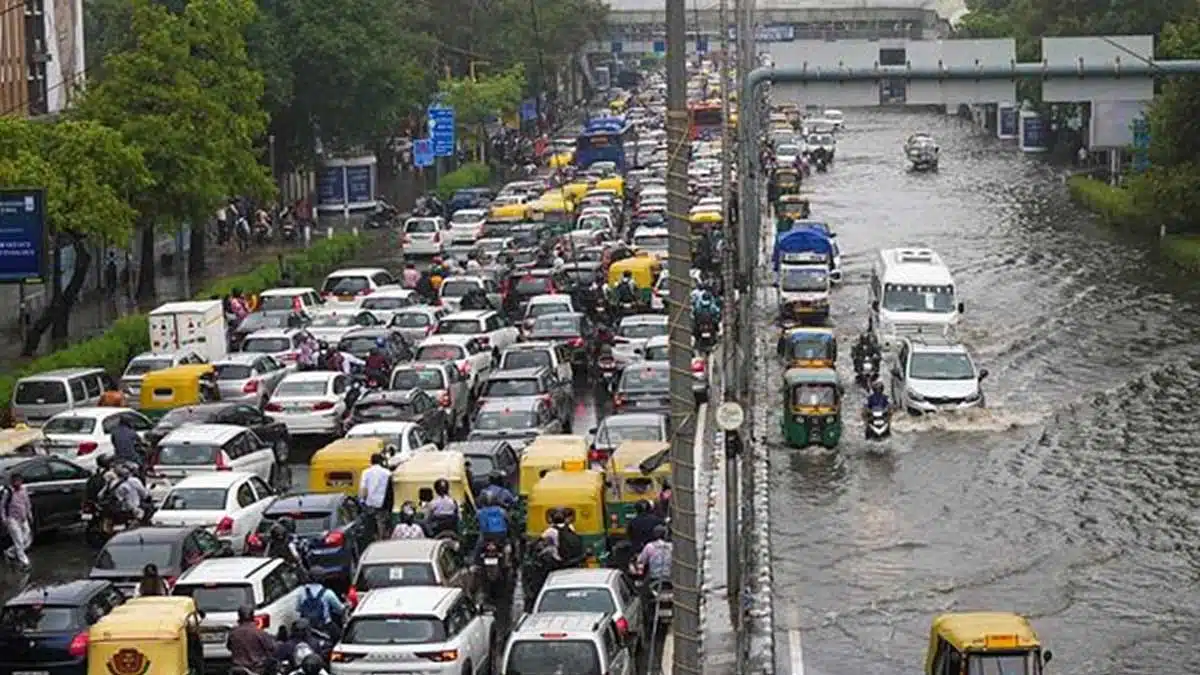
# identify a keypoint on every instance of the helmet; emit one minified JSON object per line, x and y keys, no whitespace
{"x":277,"y":532}
{"x":659,"y":532}
{"x":441,"y":487}
{"x":437,"y":260}
{"x":104,"y":461}
{"x":380,"y":342}
{"x":287,"y":524}
{"x":558,"y":517}
{"x":496,"y":478}
{"x":627,"y":274}
{"x":407,"y":513}
{"x":877,"y":387}
{"x":642,"y":506}
{"x":123,"y":471}
{"x":312,"y":664}
{"x":391,"y":449}
{"x":245,"y":613}
{"x":487,"y":499}
{"x":322,"y":344}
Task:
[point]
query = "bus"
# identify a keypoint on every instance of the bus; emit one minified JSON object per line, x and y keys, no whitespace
{"x":603,"y":140}
{"x":705,"y":120}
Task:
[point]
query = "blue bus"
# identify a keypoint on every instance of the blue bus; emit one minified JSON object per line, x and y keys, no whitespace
{"x":603,"y":140}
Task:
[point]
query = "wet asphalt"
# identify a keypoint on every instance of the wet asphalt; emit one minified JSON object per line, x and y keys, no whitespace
{"x":1071,"y":499}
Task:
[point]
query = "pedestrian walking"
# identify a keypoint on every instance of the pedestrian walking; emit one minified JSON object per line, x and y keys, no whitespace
{"x":18,"y":519}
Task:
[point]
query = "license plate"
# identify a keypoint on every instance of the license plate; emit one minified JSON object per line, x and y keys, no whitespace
{"x":214,"y":638}
{"x":491,"y":562}
{"x":345,"y":298}
{"x":85,"y":517}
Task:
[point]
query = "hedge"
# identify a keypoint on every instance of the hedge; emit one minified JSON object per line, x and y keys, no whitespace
{"x":1113,"y":205}
{"x":470,"y":175}
{"x":130,"y":335}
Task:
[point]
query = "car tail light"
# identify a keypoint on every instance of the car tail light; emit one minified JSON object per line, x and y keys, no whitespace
{"x":253,"y":541}
{"x":273,"y":407}
{"x":444,"y":656}
{"x":575,"y":342}
{"x":87,"y":448}
{"x":323,"y":405}
{"x":263,"y":621}
{"x":170,"y":582}
{"x":408,"y":238}
{"x":223,"y":462}
{"x":290,"y":356}
{"x":698,"y":366}
{"x":485,"y":341}
{"x":429,"y":329}
{"x":225,"y":526}
{"x":343,"y":657}
{"x":622,"y":626}
{"x":352,"y":598}
{"x":437,"y":237}
{"x":335,"y":539}
{"x":595,"y":455}
{"x":444,"y":399}
{"x":546,"y":398}
{"x":619,"y":400}
{"x":79,"y":645}
{"x":250,"y":387}
{"x":464,"y":368}
{"x":326,"y":294}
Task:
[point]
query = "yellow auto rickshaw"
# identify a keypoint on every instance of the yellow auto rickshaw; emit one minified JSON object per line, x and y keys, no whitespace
{"x":614,"y":183}
{"x":580,"y":492}
{"x":629,"y":484}
{"x":147,"y":636}
{"x":983,"y":642}
{"x":645,"y":271}
{"x":22,"y":441}
{"x":170,"y":388}
{"x":560,"y":160}
{"x":703,"y":221}
{"x":555,"y":210}
{"x":338,"y":467}
{"x":509,"y":213}
{"x":413,"y":482}
{"x":547,"y":453}
{"x":574,"y":190}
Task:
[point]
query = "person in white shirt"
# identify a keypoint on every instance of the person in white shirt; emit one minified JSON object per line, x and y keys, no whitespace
{"x":375,"y":492}
{"x":407,"y":528}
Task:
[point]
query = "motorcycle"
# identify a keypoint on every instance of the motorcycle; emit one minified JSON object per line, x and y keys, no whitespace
{"x":706,"y":333}
{"x":103,"y":520}
{"x":384,"y":215}
{"x":262,"y":232}
{"x":866,"y":370}
{"x":608,"y":373}
{"x":879,"y":423}
{"x":494,"y":559}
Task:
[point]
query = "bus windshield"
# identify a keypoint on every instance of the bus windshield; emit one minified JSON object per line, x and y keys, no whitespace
{"x":911,"y":298}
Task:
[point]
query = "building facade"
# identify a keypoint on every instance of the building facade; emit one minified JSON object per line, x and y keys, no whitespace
{"x":41,"y":55}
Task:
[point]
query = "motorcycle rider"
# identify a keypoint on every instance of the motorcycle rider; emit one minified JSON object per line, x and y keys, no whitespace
{"x":280,"y":544}
{"x":570,"y":546}
{"x":864,"y":351}
{"x":655,"y":559}
{"x":496,"y":488}
{"x":99,"y":481}
{"x":442,"y":511}
{"x":706,"y":308}
{"x":125,"y":442}
{"x":626,"y":290}
{"x":407,"y":528}
{"x":475,"y":298}
{"x":288,"y":643}
{"x":410,"y":276}
{"x":641,"y":528}
{"x":251,"y":648}
{"x":378,"y":364}
{"x":437,"y":268}
{"x":877,"y":399}
{"x":494,"y":524}
{"x":130,"y":493}
{"x":320,"y":607}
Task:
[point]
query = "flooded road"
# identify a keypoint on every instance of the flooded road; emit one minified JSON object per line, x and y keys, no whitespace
{"x":1072,"y":499}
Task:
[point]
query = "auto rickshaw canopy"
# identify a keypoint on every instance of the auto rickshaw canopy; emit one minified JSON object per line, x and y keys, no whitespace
{"x":984,"y":631}
{"x":547,"y":453}
{"x":508,"y":213}
{"x":815,"y":380}
{"x":423,"y":469}
{"x":705,"y":218}
{"x":172,"y":388}
{"x":628,"y":483}
{"x":338,"y":467}
{"x":614,"y":183}
{"x":645,"y":270}
{"x":154,"y":618}
{"x":22,"y":440}
{"x":578,"y":490}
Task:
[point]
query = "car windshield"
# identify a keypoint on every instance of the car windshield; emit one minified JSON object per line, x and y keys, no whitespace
{"x":259,"y":321}
{"x":616,"y":434}
{"x":394,"y":630}
{"x":491,"y":245}
{"x":421,"y":226}
{"x":391,"y":575}
{"x":266,"y":345}
{"x":788,"y":151}
{"x":512,"y":387}
{"x":134,"y":555}
{"x":70,"y":425}
{"x":143,"y":366}
{"x":307,"y":524}
{"x":592,"y":223}
{"x":438,"y":353}
{"x":525,"y":358}
{"x":1003,"y":664}
{"x":576,"y":600}
{"x":425,"y":378}
{"x":411,"y":320}
{"x":458,"y":327}
{"x":653,"y":242}
{"x":301,"y":388}
{"x":232,"y":371}
{"x":333,"y":320}
{"x":217,"y":597}
{"x":493,"y":420}
{"x":906,"y":298}
{"x":553,"y":657}
{"x":480,"y":465}
{"x":810,"y":348}
{"x":194,"y":499}
{"x":642,"y":331}
{"x":40,"y":392}
{"x":346,"y":285}
{"x":646,"y":379}
{"x":173,"y":454}
{"x":383,"y":409}
{"x":466,"y":217}
{"x":803,"y":279}
{"x":532,"y":285}
{"x":657,"y":353}
{"x":941,"y":366}
{"x":24,"y":619}
{"x":820,"y":139}
{"x":181,"y":416}
{"x":544,"y":308}
{"x":814,"y":395}
{"x":456,"y":288}
{"x":391,"y":302}
{"x":556,"y":325}
{"x":276,"y":302}
{"x":358,"y":345}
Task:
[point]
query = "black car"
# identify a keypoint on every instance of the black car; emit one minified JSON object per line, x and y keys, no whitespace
{"x":267,"y":428}
{"x":632,"y":426}
{"x":524,"y":284}
{"x":265,"y":320}
{"x":516,"y":420}
{"x":174,"y":550}
{"x":361,"y":341}
{"x":575,"y":331}
{"x":330,"y":523}
{"x":644,"y":387}
{"x":55,"y":486}
{"x":414,"y":405}
{"x":539,"y":382}
{"x":486,"y":456}
{"x":44,"y":629}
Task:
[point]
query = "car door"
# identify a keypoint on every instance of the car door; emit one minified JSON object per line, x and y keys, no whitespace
{"x":270,"y":372}
{"x":506,"y":461}
{"x":620,"y":662}
{"x":69,"y":483}
{"x":564,"y":368}
{"x":631,"y":603}
{"x":481,"y":362}
{"x":264,"y":495}
{"x":348,"y":514}
{"x":492,"y":290}
{"x":454,"y":572}
{"x":899,"y":372}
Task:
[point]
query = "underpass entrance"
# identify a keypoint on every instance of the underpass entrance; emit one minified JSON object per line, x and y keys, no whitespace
{"x":892,"y":91}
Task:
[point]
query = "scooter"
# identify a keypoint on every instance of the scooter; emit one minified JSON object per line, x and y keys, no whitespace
{"x":706,"y":335}
{"x":608,"y":372}
{"x":878,"y":424}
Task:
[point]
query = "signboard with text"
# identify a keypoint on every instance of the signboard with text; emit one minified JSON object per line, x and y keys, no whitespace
{"x":423,"y":152}
{"x":441,"y":130}
{"x":22,"y":235}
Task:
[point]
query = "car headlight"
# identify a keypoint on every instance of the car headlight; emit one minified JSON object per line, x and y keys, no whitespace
{"x":914,"y":396}
{"x":972,"y":398}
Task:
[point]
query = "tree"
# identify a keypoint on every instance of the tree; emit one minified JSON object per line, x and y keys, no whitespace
{"x":88,"y":171}
{"x":475,"y":100}
{"x":184,"y":93}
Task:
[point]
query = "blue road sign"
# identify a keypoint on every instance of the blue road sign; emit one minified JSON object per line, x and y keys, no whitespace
{"x":331,"y":186}
{"x":1141,"y":144}
{"x":22,"y":235}
{"x":1008,"y":122}
{"x":441,"y":130}
{"x":423,"y":152}
{"x":660,"y":46}
{"x":701,"y":45}
{"x":359,"y":188}
{"x":617,"y":47}
{"x":528,"y":110}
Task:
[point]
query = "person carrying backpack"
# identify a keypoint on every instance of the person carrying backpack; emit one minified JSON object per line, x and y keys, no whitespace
{"x":321,"y":608}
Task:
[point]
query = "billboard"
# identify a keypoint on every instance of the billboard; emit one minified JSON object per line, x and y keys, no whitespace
{"x":22,"y":235}
{"x":1113,"y":123}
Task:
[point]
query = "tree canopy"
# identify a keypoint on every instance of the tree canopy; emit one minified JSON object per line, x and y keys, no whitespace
{"x":477,"y":99}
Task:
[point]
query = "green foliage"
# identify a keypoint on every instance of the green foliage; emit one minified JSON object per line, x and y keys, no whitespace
{"x":130,"y":336}
{"x":1182,"y":250}
{"x":475,"y":100}
{"x":1114,"y":205}
{"x":469,"y":175}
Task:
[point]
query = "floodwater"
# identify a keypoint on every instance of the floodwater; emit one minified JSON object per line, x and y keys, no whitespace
{"x":1071,"y":499}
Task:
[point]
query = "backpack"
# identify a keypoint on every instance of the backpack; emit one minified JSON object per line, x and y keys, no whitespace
{"x":312,"y":607}
{"x":491,"y":520}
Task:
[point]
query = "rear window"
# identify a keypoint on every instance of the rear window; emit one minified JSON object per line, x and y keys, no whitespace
{"x":386,"y":303}
{"x":576,"y":600}
{"x":266,"y":345}
{"x":481,"y":465}
{"x":194,"y":499}
{"x":357,"y":345}
{"x":345,"y":285}
{"x":394,"y":630}
{"x":391,"y":575}
{"x":421,"y":226}
{"x":544,"y":308}
{"x":532,"y":285}
{"x":641,"y":331}
{"x":233,"y":372}
{"x":217,"y":597}
{"x":39,"y":619}
{"x":307,"y":524}
{"x":646,"y":379}
{"x":525,"y":358}
{"x":383,"y":410}
{"x":652,"y":241}
{"x":267,"y":303}
{"x":426,"y":378}
{"x":440,"y":353}
{"x":466,"y":217}
{"x":514,"y":387}
{"x":556,"y":324}
{"x":133,"y":555}
{"x":40,"y":392}
{"x":302,"y":388}
{"x":553,"y":657}
{"x":410,"y":320}
{"x":70,"y":425}
{"x":143,"y":366}
{"x":458,"y":327}
{"x":187,"y":455}
{"x":456,"y":288}
{"x":495,"y":420}
{"x":657,"y":353}
{"x":181,"y":416}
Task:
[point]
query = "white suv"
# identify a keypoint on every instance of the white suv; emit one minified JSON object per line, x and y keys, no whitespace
{"x":204,"y":448}
{"x":220,"y":586}
{"x":490,"y":326}
{"x":935,"y":374}
{"x":586,"y":640}
{"x":536,"y":355}
{"x":430,"y":630}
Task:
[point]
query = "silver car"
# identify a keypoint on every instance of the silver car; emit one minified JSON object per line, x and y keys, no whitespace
{"x":247,"y":377}
{"x":443,"y":382}
{"x":416,"y":323}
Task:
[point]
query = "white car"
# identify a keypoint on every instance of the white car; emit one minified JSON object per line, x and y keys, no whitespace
{"x":197,"y":449}
{"x":148,"y":362}
{"x":469,"y":354}
{"x":82,"y":435}
{"x":349,"y":285}
{"x":488,"y":325}
{"x":417,"y":322}
{"x":221,"y":585}
{"x":385,"y":303}
{"x":653,"y":240}
{"x":406,"y":436}
{"x":491,"y":247}
{"x":425,"y":630}
{"x":588,"y":639}
{"x":425,"y":236}
{"x":658,"y":348}
{"x":593,"y":220}
{"x":310,"y":403}
{"x":591,"y":590}
{"x":281,"y":343}
{"x":541,"y":305}
{"x":230,"y":503}
{"x":466,"y":225}
{"x":332,"y":325}
{"x":454,"y":288}
{"x":538,"y":355}
{"x":935,"y":374}
{"x":786,"y":155}
{"x":634,"y":331}
{"x":286,"y":299}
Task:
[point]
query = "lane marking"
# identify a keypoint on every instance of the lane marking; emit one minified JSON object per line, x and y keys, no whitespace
{"x":667,"y":665}
{"x":797,"y":650}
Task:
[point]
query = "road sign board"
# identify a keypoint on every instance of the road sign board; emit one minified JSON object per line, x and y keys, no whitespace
{"x":528,"y":110}
{"x":1141,"y":143}
{"x":730,"y":416}
{"x":441,"y":130}
{"x":617,"y":47}
{"x":422,"y":152}
{"x":660,"y":46}
{"x":22,"y":235}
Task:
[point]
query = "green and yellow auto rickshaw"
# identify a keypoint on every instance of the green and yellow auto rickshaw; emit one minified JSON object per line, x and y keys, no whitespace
{"x":790,"y":208}
{"x":579,"y":491}
{"x":812,"y":410}
{"x":807,"y":347}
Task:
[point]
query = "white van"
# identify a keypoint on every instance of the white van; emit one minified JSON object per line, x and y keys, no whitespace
{"x":911,"y":292}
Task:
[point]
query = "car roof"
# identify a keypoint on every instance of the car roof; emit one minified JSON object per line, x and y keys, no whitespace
{"x":446,"y":339}
{"x":217,"y":570}
{"x":213,"y":479}
{"x":632,"y":419}
{"x":274,"y":333}
{"x":95,"y":412}
{"x":470,"y":314}
{"x":150,"y":535}
{"x":573,"y":315}
{"x":375,"y":331}
{"x":635,"y":319}
{"x":477,"y":447}
{"x":239,"y":358}
{"x":573,"y":578}
{"x":385,"y":427}
{"x":309,"y":501}
{"x":391,"y":293}
{"x":471,"y":212}
{"x":547,"y":299}
{"x":511,"y":403}
{"x":310,"y":376}
{"x":203,"y":434}
{"x":518,"y":373}
{"x":423,"y":309}
{"x":357,"y":271}
{"x":288,"y":290}
{"x":65,"y":593}
{"x":390,"y":396}
{"x":936,"y":344}
{"x":402,"y":550}
{"x":533,"y":625}
{"x":529,"y":346}
{"x":434,"y":600}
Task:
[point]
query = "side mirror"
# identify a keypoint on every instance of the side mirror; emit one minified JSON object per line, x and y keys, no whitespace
{"x":1047,"y":655}
{"x":836,"y":275}
{"x":961,"y":308}
{"x":982,"y":374}
{"x":875,"y":306}
{"x":593,"y":430}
